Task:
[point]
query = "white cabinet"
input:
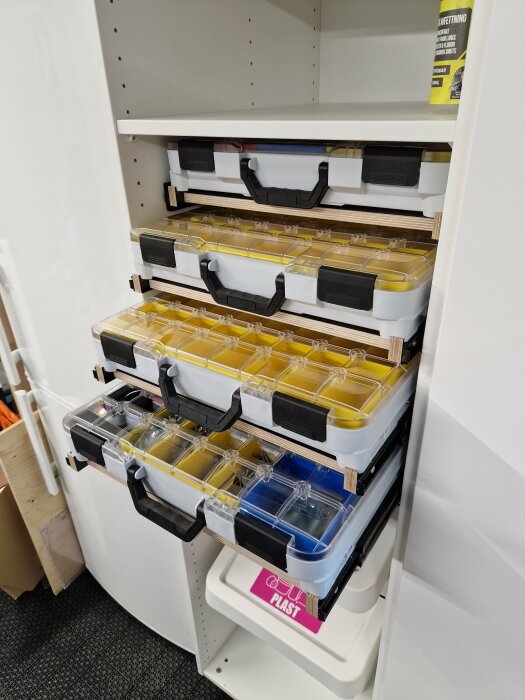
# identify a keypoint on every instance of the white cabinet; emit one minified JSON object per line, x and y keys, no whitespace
{"x":292,"y":69}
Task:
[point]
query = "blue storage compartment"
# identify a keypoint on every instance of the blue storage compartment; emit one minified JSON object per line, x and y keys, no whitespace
{"x":298,"y":517}
{"x":302,"y":500}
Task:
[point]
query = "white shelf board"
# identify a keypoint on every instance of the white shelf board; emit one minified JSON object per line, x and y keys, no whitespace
{"x":377,"y":121}
{"x":256,"y":671}
{"x":342,"y":654}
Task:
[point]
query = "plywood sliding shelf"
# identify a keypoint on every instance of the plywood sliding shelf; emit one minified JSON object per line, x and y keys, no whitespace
{"x":379,"y":121}
{"x":397,"y":349}
{"x":361,"y":217}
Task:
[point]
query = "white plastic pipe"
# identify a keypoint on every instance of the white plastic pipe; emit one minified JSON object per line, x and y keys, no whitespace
{"x":9,"y":359}
{"x":23,"y":401}
{"x":9,"y":290}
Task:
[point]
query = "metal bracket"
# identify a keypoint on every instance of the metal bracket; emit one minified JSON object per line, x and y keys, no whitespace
{"x":102,"y":375}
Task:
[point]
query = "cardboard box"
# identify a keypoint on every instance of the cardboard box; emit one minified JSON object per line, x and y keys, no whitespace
{"x":20,"y":568}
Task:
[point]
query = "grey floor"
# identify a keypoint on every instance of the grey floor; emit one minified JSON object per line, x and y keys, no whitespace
{"x":82,"y":645}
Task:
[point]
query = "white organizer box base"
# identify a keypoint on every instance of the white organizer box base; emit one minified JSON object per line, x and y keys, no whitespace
{"x":292,"y":171}
{"x":256,"y":671}
{"x":342,"y":655}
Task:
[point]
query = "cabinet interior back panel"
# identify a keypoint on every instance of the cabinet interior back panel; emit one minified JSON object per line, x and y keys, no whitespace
{"x":169,"y":57}
{"x":378,"y":51}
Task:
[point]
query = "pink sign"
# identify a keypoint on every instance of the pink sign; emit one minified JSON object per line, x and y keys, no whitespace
{"x":288,"y":599}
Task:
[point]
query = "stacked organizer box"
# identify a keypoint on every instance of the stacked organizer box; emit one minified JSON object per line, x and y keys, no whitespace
{"x":293,"y":512}
{"x":377,"y":283}
{"x":214,"y":369}
{"x":304,"y":175}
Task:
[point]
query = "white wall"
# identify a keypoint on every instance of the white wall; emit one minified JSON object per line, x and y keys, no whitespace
{"x":63,"y":211}
{"x":65,"y":225}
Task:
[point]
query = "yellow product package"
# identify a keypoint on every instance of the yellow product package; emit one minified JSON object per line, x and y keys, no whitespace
{"x":451,"y":51}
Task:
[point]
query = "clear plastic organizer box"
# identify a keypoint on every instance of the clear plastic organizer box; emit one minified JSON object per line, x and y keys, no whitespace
{"x":374,"y":282}
{"x":213,"y":369}
{"x":305,"y":175}
{"x":289,"y":510}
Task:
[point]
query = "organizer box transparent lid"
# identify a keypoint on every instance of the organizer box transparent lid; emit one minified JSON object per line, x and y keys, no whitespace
{"x":303,"y":500}
{"x":350,"y":383}
{"x":136,"y":425}
{"x":398,"y":263}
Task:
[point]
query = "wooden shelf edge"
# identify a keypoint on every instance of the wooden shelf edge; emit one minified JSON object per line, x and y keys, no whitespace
{"x":365,"y":218}
{"x":393,"y":345}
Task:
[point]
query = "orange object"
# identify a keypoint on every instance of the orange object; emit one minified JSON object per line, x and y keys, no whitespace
{"x":7,"y":416}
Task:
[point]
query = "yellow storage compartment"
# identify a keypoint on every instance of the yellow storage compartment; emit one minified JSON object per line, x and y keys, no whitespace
{"x":400,"y":264}
{"x":350,"y":383}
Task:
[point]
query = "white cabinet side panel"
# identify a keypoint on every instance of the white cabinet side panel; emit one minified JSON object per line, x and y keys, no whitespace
{"x":457,"y":620}
{"x":377,"y":51}
{"x":140,"y":565}
{"x":64,"y":218}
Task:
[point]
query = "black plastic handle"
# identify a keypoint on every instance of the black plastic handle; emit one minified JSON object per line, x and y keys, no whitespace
{"x":242,"y":300}
{"x":180,"y":524}
{"x":201,"y":413}
{"x":281,"y":197}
